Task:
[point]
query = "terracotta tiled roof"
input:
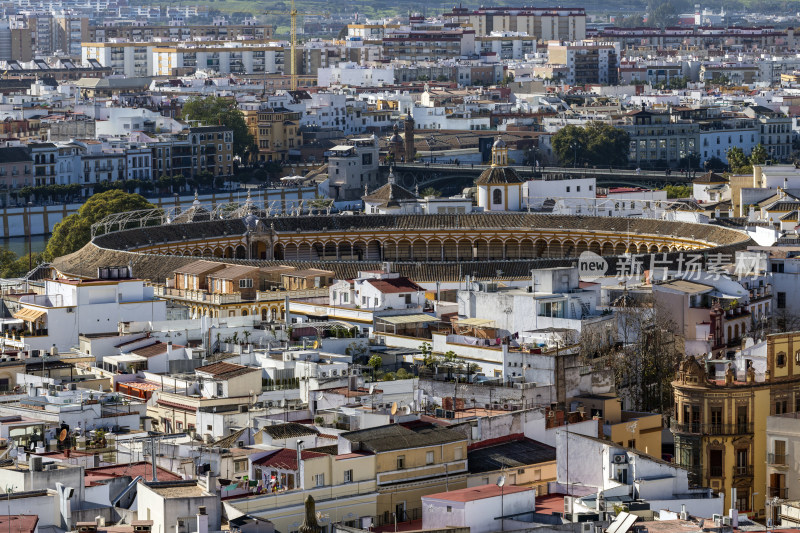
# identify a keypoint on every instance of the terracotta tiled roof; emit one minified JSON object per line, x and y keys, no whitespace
{"x":286,"y":459}
{"x":498,"y":175}
{"x":157,"y":348}
{"x":112,"y":249}
{"x":199,"y":267}
{"x":710,"y":177}
{"x":389,"y":195}
{"x":233,"y":272}
{"x":141,"y":468}
{"x":394,"y":285}
{"x":288,"y":430}
{"x":21,"y":523}
{"x":231,"y":440}
{"x":224,"y":370}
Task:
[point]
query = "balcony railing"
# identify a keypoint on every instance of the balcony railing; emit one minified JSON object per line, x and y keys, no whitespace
{"x":777,"y":459}
{"x":778,"y":492}
{"x":740,"y":471}
{"x":715,"y":470}
{"x":697,"y":428}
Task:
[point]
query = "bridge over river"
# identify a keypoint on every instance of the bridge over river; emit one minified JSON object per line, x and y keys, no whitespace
{"x":451,"y":178}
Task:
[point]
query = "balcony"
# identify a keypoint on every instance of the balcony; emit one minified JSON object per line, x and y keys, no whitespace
{"x":778,"y":492}
{"x":197,"y":295}
{"x":697,"y":428}
{"x":777,"y":459}
{"x":743,"y":471}
{"x":715,"y":471}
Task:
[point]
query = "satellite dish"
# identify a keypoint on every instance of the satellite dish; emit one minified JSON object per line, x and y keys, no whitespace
{"x":406,"y":410}
{"x":501,"y":481}
{"x":62,"y":435}
{"x":394,"y":408}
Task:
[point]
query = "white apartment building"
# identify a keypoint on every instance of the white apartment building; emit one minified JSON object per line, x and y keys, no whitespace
{"x":126,"y":58}
{"x":536,"y":193}
{"x":353,"y":75}
{"x":351,"y":167}
{"x":222,"y":57}
{"x":69,"y":308}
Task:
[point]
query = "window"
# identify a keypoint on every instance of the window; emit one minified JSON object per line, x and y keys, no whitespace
{"x":240,"y":465}
{"x":781,"y":359}
{"x":716,"y":420}
{"x":497,"y":196}
{"x":401,"y":462}
{"x":245,"y":283}
{"x":781,"y":300}
{"x":348,"y":476}
{"x":449,"y":509}
{"x":429,"y":458}
{"x":319,"y":480}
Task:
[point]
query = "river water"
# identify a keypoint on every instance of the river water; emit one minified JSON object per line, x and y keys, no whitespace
{"x":19,"y":245}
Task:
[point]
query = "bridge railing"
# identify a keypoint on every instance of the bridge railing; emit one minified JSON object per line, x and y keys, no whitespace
{"x":546,"y":169}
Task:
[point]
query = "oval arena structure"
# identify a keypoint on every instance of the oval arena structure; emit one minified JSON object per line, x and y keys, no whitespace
{"x":424,"y":247}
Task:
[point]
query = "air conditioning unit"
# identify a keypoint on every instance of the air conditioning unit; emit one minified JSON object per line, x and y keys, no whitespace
{"x":727,"y":521}
{"x":587,"y":527}
{"x":620,"y":459}
{"x":324,"y":374}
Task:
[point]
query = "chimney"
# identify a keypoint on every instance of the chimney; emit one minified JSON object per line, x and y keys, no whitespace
{"x":211,"y":483}
{"x":202,"y":520}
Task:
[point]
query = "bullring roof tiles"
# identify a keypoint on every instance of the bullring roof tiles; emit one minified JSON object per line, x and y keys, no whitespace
{"x":112,"y":249}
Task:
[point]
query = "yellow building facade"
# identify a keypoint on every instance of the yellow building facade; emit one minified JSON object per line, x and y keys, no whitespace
{"x":720,"y":425}
{"x":276,"y":132}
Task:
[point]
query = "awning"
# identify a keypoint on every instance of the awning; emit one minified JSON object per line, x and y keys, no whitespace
{"x":477,"y":323}
{"x":29,"y":315}
{"x":408,"y":319}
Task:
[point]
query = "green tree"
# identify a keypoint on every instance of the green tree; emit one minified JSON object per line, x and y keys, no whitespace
{"x":375,"y":361}
{"x":597,"y":143}
{"x":430,"y":191}
{"x":216,"y":110}
{"x":12,"y":266}
{"x":738,"y":162}
{"x":74,"y":231}
{"x":607,"y":145}
{"x":759,"y":155}
{"x":427,"y":354}
{"x":678,"y":191}
{"x":569,"y":143}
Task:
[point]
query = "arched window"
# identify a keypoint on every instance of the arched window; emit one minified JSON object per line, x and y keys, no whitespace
{"x":497,"y":196}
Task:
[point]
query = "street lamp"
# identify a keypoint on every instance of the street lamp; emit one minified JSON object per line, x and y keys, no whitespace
{"x":501,"y":481}
{"x":574,"y":145}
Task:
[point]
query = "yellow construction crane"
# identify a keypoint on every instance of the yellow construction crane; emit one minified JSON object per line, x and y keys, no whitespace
{"x":293,"y":38}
